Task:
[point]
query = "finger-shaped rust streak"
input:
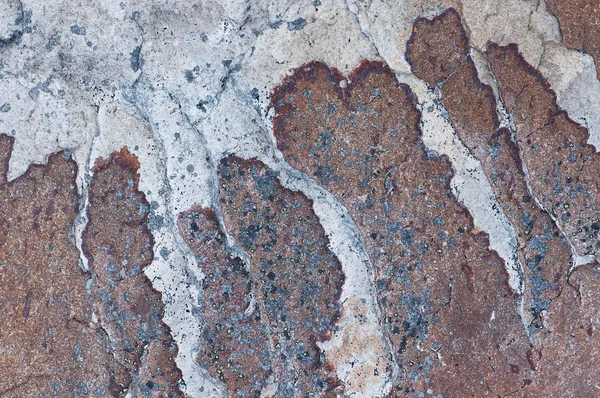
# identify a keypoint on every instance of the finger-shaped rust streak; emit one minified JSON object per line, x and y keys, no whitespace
{"x":119,"y":247}
{"x":298,"y":279}
{"x":563,"y":171}
{"x":579,"y":22}
{"x":446,"y":304}
{"x":235,"y":346}
{"x":563,"y":167}
{"x":471,"y":105}
{"x":48,"y":344}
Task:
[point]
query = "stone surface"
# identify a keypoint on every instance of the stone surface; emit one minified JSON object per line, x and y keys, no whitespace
{"x":562,"y":165}
{"x":48,"y":344}
{"x":482,"y":95}
{"x":544,"y":252}
{"x":363,"y":144}
{"x":298,"y":279}
{"x":579,"y":24}
{"x":118,"y":245}
{"x":236,"y":348}
{"x":67,"y":332}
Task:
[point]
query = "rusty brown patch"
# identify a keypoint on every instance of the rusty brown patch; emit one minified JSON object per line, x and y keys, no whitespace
{"x":543,"y":250}
{"x":446,"y":304}
{"x":563,"y":168}
{"x":435,"y":56}
{"x":569,"y":363}
{"x":579,"y":22}
{"x":562,"y":171}
{"x":235,"y":348}
{"x":119,"y":246}
{"x":298,"y":279}
{"x":48,"y":343}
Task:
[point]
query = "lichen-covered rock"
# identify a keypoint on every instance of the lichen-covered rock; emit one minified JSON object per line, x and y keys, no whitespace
{"x":236,"y":348}
{"x":49,"y":345}
{"x":298,"y":279}
{"x":562,"y":173}
{"x":579,"y":24}
{"x":119,"y":246}
{"x":563,"y":167}
{"x":543,"y":250}
{"x":446,"y":305}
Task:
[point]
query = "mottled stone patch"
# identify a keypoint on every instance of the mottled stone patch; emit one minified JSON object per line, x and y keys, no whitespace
{"x":569,"y":363}
{"x":446,"y":304}
{"x":119,"y":246}
{"x":563,"y":168}
{"x":543,"y":250}
{"x":298,"y":279}
{"x":562,"y":172}
{"x":48,"y":343}
{"x":579,"y":22}
{"x":235,"y":349}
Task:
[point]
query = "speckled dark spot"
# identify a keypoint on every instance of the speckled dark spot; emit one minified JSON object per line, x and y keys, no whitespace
{"x":297,"y":24}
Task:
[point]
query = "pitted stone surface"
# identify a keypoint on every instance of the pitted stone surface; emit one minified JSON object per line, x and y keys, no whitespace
{"x":119,"y":246}
{"x":236,"y":349}
{"x":51,"y":342}
{"x":48,"y":343}
{"x":579,"y":24}
{"x":125,"y":309}
{"x":563,"y":167}
{"x":298,"y":279}
{"x":542,"y":248}
{"x":442,"y":292}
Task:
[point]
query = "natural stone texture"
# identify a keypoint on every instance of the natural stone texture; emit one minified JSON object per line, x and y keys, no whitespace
{"x":568,"y":360}
{"x":579,"y":24}
{"x":298,"y":279}
{"x":563,"y":167}
{"x":555,"y":152}
{"x":543,"y":250}
{"x":184,"y":84}
{"x":49,"y":345}
{"x":236,"y":349}
{"x":446,"y":304}
{"x":118,"y":245}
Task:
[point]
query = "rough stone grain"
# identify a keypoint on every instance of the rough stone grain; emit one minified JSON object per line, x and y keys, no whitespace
{"x":298,"y":279}
{"x":543,"y":250}
{"x":563,"y":167}
{"x":446,"y":304}
{"x":236,"y":349}
{"x":579,"y":24}
{"x":118,"y":245}
{"x":49,"y":344}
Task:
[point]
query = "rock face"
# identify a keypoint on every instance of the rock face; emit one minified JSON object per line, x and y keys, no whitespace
{"x":299,"y":199}
{"x":48,"y":343}
{"x":236,"y":349}
{"x":543,"y":249}
{"x":118,"y":245}
{"x":51,"y":341}
{"x":265,"y":321}
{"x":298,"y":279}
{"x":443,"y":293}
{"x":561,"y":165}
{"x":580,"y":25}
